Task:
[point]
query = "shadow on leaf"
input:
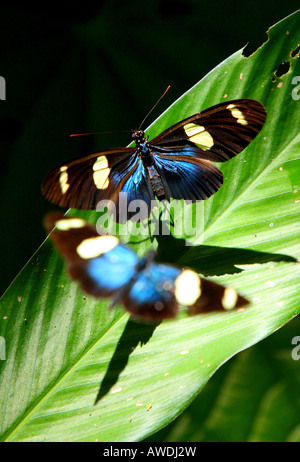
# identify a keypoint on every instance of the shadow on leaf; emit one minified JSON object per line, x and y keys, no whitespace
{"x":133,"y":334}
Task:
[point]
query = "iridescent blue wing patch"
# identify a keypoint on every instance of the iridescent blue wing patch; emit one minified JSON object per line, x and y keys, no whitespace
{"x":195,"y":179}
{"x":152,"y":293}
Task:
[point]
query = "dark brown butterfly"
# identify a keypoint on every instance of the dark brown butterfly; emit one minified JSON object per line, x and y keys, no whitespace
{"x":177,"y":164}
{"x":104,"y":267}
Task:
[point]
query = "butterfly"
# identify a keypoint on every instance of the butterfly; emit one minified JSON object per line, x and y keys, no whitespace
{"x":176,"y":164}
{"x":148,"y":290}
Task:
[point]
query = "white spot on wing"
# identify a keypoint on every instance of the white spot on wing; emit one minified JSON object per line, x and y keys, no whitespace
{"x":198,"y":135}
{"x":96,"y":246}
{"x":187,"y":287}
{"x":229,"y":298}
{"x":101,"y":173}
{"x":63,"y":179}
{"x":66,"y":224}
{"x":237,"y":114}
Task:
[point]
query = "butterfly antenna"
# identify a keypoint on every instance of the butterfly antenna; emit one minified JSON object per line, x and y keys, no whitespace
{"x":99,"y":133}
{"x":159,"y":99}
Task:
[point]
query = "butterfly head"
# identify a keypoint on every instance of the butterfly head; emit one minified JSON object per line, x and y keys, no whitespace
{"x":139,"y":137}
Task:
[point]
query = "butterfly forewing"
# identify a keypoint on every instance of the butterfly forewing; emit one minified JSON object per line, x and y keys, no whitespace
{"x":217,"y":134}
{"x":83,"y":182}
{"x":100,"y":263}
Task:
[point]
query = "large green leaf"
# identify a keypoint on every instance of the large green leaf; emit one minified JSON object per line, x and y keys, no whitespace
{"x":77,"y":372}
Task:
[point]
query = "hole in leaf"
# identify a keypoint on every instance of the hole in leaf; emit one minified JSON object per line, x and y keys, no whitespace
{"x":282,"y":69}
{"x":294,"y":53}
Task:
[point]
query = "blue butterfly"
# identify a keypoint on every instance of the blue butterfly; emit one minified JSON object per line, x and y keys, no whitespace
{"x":106,"y":268}
{"x":176,"y":164}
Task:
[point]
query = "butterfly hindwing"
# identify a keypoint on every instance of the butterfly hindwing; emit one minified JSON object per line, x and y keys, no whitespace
{"x":151,"y":295}
{"x":134,"y":189}
{"x":194,"y":180}
{"x":159,"y":290}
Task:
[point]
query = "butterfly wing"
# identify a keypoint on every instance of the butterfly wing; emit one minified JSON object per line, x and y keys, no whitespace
{"x":183,"y":154}
{"x":217,"y":134}
{"x":159,"y":290}
{"x":100,"y":263}
{"x":117,"y":177}
{"x":151,"y":295}
{"x":190,"y":179}
{"x":84,"y":182}
{"x":201,"y":295}
{"x":135,"y":195}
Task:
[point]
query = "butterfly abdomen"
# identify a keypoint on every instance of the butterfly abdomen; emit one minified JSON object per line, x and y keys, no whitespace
{"x":156,"y":183}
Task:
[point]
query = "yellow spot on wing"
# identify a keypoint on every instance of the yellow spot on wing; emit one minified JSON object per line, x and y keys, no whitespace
{"x":63,"y":179}
{"x":187,"y":288}
{"x":96,"y":246}
{"x":101,"y":172}
{"x":229,"y":298}
{"x":237,"y":114}
{"x":65,"y":224}
{"x":198,"y":135}
{"x":100,"y":163}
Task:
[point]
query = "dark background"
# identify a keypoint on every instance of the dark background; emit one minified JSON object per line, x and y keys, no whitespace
{"x":98,"y":66}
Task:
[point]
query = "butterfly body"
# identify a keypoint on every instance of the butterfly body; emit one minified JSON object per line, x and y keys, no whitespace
{"x":176,"y":164}
{"x":144,"y":153}
{"x":106,"y":268}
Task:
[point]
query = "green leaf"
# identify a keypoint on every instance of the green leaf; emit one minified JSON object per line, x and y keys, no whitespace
{"x":255,"y":397}
{"x":75,"y":371}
